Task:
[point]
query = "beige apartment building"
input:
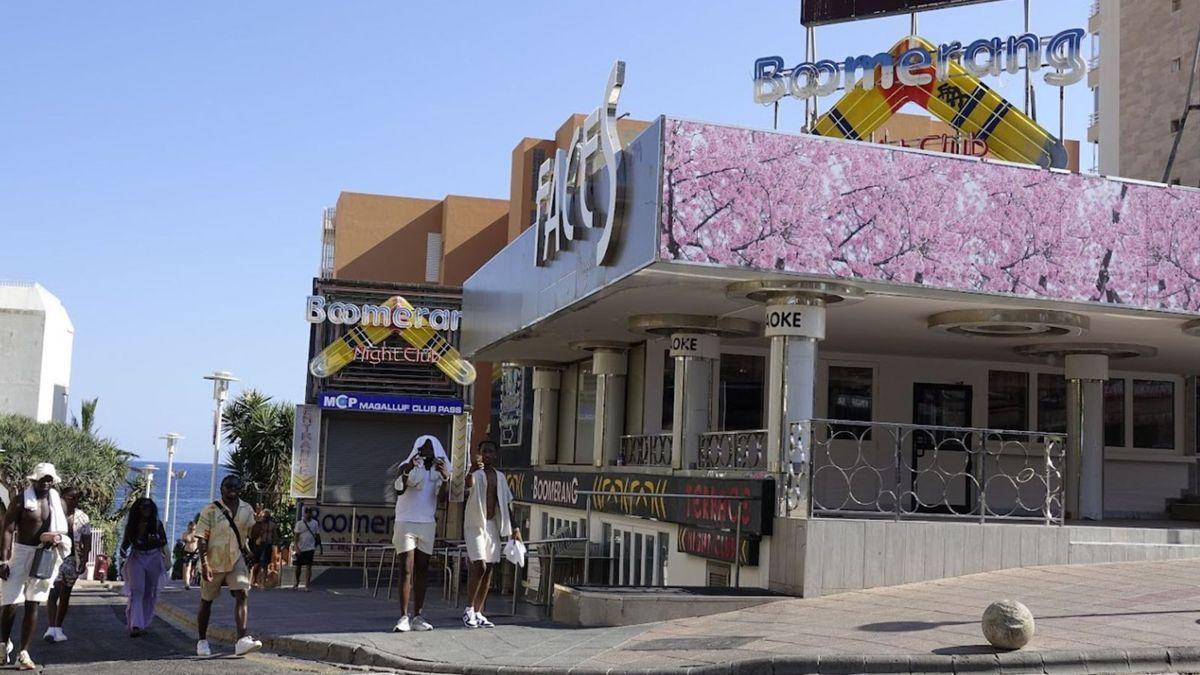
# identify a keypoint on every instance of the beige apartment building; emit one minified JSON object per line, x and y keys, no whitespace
{"x":1142,"y":53}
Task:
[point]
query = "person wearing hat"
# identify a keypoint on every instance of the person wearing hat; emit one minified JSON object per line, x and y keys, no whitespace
{"x":39,"y":522}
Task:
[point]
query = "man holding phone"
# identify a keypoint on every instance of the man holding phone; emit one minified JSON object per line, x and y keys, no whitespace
{"x":421,"y":482}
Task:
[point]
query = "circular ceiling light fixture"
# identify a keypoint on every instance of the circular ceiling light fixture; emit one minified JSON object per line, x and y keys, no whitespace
{"x":1009,"y":323}
{"x":1113,"y":350}
{"x":772,"y":291}
{"x":669,"y":324}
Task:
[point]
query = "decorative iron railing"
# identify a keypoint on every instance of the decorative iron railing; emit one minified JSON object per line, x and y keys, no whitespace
{"x":845,"y":468}
{"x":734,"y":450}
{"x":646,"y":450}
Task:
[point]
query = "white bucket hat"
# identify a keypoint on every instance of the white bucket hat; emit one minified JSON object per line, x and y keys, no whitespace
{"x":42,"y":470}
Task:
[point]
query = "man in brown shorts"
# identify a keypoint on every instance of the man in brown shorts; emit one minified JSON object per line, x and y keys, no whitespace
{"x":223,"y":529}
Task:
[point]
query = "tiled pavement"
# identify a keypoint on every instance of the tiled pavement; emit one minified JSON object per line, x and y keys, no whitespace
{"x":1123,"y":615}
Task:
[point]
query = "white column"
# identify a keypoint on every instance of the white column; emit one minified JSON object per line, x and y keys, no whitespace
{"x":610,"y":366}
{"x":546,"y":384}
{"x":1086,"y":374}
{"x":794,"y":329}
{"x":694,"y":357}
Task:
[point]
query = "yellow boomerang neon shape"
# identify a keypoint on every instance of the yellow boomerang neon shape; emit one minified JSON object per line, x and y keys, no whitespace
{"x":419,"y":334}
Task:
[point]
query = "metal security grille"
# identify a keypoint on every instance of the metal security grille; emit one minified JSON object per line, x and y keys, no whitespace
{"x":360,"y":447}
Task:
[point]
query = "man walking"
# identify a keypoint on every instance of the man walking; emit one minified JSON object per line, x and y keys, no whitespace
{"x":223,"y":528}
{"x":487,"y":520}
{"x":80,"y":528}
{"x":422,"y":481}
{"x":40,"y":523}
{"x":307,"y":541}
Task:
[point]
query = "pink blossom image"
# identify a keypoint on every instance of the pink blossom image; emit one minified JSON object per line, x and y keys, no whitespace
{"x":816,"y":206}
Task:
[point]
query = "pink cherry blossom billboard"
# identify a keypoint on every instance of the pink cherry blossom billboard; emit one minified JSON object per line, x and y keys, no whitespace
{"x":814,"y":206}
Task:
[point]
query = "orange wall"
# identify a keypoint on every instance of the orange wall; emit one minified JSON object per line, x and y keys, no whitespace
{"x":382,"y":238}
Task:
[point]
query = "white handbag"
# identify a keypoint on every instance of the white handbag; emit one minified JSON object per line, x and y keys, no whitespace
{"x":514,"y":552}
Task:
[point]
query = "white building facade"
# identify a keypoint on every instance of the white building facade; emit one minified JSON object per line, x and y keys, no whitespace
{"x":815,"y":365}
{"x":36,"y":339}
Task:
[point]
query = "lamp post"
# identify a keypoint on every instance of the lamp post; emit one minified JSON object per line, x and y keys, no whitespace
{"x":220,"y":380}
{"x":171,"y":439}
{"x":179,"y":475}
{"x":148,"y":472}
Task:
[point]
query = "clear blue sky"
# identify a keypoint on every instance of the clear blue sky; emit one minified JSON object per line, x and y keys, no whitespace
{"x":165,"y":164}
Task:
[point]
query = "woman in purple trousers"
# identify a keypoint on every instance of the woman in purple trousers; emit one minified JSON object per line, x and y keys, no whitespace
{"x":144,"y":550}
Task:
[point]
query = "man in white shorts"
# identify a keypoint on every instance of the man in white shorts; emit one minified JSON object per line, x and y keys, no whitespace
{"x":487,"y":521}
{"x":422,"y":480}
{"x":38,"y":521}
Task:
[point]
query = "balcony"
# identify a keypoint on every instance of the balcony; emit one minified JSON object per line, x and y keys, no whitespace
{"x":646,"y":450}
{"x":1093,"y":129}
{"x":907,"y":471}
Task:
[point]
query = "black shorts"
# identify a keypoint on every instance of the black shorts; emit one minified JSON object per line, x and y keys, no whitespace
{"x":304,"y":558}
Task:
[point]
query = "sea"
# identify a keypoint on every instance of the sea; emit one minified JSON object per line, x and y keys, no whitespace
{"x":189,"y":493}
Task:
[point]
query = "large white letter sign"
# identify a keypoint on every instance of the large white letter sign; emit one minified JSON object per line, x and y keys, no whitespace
{"x":564,"y":192}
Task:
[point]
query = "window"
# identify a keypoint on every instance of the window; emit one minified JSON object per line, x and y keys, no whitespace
{"x":1114,"y":413}
{"x":719,"y":574}
{"x":1176,"y":65}
{"x":741,"y":391}
{"x":850,"y":398}
{"x":554,"y":527}
{"x":1176,"y":5}
{"x":1153,"y":414}
{"x":1052,"y":403}
{"x":1176,"y":125}
{"x":585,"y":415}
{"x":1008,"y":400}
{"x":638,"y":557}
{"x":668,"y":399}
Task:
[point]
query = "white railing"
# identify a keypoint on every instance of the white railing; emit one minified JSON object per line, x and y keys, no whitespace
{"x":846,"y":468}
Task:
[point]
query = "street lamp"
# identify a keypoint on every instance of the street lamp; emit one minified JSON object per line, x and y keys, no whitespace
{"x":220,"y":380}
{"x":179,"y":475}
{"x":148,"y":472}
{"x":171,"y":439}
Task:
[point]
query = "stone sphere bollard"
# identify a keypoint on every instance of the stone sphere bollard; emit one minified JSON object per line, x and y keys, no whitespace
{"x":1008,"y":624}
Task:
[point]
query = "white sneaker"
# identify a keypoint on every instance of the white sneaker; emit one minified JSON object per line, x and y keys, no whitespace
{"x":24,"y":662}
{"x":59,"y":636}
{"x":402,"y":626}
{"x":419,"y":623}
{"x":469,"y":619}
{"x":483,"y":621}
{"x":246,"y":645}
{"x":50,"y":634}
{"x":202,"y":648}
{"x":8,"y":647}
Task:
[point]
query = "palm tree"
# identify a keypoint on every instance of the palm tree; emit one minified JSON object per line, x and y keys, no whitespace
{"x":261,"y":430}
{"x":94,"y":465}
{"x":87,"y":416}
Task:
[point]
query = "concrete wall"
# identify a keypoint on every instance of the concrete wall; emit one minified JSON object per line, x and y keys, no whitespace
{"x":21,"y":345}
{"x":1151,"y":37}
{"x":36,"y":343}
{"x":846,"y":555}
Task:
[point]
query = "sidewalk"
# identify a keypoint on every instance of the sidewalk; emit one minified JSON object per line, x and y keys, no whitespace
{"x":1117,"y":617}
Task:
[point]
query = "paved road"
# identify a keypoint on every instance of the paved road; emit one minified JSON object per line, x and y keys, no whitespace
{"x":99,"y":644}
